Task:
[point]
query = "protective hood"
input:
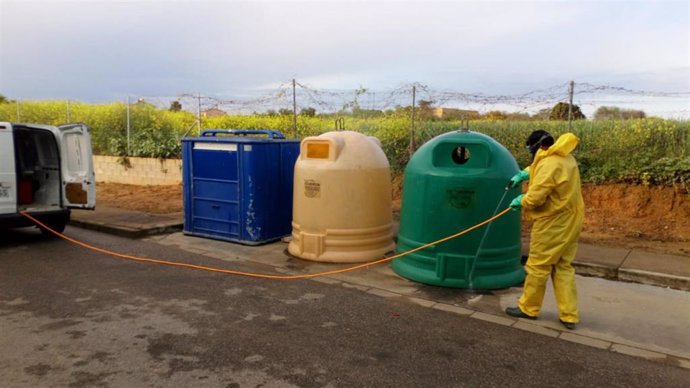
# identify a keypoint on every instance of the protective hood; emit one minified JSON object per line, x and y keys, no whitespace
{"x":565,"y":144}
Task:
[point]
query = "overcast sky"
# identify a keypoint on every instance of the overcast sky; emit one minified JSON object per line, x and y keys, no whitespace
{"x":104,"y":50}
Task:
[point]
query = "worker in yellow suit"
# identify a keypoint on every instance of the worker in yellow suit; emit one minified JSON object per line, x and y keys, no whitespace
{"x":554,"y":202}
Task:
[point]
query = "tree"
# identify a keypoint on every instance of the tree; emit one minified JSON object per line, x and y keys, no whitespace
{"x":560,"y":112}
{"x":358,"y":112}
{"x":542,"y":114}
{"x":496,"y":115}
{"x":175,"y":106}
{"x":285,"y":112}
{"x":633,"y":114}
{"x":354,"y":104}
{"x":271,"y":112}
{"x":3,"y":99}
{"x":616,"y":113}
{"x":518,"y":116}
{"x":309,"y":112}
{"x":426,"y":109}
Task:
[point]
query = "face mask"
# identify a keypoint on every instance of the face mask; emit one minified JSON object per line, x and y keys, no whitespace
{"x":535,"y":147}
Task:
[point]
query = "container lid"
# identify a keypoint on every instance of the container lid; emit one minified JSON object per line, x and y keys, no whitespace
{"x":241,"y":136}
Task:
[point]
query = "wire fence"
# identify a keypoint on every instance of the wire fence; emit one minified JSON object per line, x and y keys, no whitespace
{"x":294,"y":97}
{"x":403,"y":118}
{"x":336,"y":100}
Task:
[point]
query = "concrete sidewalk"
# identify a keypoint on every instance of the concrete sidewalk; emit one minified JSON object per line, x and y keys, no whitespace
{"x":629,"y":265}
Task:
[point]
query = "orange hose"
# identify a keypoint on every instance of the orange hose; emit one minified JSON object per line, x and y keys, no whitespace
{"x":258,"y":275}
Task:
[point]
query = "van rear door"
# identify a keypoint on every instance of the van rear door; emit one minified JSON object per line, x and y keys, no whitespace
{"x":78,"y":179}
{"x":8,"y":173}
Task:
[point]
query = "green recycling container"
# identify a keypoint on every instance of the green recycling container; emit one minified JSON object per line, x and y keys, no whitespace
{"x":454,"y":182}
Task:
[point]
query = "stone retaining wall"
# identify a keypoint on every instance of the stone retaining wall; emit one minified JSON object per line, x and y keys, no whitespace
{"x":137,"y":171}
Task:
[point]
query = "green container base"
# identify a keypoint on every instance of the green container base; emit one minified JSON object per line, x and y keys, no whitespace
{"x":508,"y":277}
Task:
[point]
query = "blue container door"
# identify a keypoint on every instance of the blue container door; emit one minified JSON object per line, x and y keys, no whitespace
{"x":215,"y":189}
{"x":260,"y":178}
{"x":266,"y":190}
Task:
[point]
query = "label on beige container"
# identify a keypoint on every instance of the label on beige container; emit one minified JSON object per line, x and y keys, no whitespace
{"x":312,"y":188}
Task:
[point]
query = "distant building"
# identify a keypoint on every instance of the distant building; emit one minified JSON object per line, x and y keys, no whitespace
{"x":452,"y":113}
{"x":213,"y":112}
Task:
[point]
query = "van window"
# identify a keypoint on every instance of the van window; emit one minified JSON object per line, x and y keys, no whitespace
{"x":75,"y":152}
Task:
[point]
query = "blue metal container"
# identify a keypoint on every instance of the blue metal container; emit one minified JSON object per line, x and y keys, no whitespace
{"x":237,"y":186}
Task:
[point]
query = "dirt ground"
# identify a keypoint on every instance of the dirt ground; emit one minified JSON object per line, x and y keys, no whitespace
{"x":617,"y":215}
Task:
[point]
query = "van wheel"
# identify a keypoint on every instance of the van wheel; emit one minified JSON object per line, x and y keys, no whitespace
{"x":58,"y":226}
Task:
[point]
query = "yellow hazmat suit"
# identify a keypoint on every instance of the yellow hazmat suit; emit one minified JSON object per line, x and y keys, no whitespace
{"x":554,"y":202}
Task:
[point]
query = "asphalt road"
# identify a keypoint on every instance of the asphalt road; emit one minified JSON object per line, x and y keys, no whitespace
{"x":72,"y":317}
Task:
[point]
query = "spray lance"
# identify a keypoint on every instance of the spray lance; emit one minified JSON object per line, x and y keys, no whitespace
{"x":509,"y":186}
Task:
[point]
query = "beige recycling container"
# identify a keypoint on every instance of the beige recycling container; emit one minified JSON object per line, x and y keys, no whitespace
{"x":342,"y":199}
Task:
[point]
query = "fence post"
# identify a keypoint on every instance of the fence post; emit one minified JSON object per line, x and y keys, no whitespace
{"x":128,"y":125}
{"x":413,"y":144}
{"x":294,"y":110}
{"x":198,"y":115}
{"x":571,"y":89}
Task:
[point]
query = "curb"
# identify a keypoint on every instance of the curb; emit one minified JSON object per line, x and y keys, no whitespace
{"x":595,"y":270}
{"x":657,"y":279}
{"x":124,"y":231}
{"x":654,"y":279}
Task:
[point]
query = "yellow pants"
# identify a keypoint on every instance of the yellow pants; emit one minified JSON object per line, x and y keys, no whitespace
{"x":553,"y":245}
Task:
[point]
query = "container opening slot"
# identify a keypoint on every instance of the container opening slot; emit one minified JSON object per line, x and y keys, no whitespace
{"x":318,"y":150}
{"x":460,"y":155}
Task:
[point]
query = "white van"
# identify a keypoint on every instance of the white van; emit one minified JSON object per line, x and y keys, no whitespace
{"x":44,"y":171}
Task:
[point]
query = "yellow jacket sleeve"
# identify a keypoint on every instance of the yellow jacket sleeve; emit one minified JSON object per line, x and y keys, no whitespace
{"x":542,"y":182}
